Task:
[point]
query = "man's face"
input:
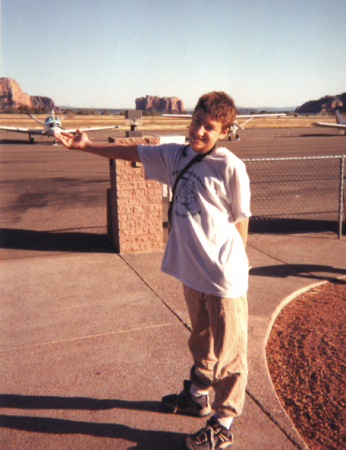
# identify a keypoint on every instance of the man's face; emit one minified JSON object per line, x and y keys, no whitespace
{"x":204,"y":131}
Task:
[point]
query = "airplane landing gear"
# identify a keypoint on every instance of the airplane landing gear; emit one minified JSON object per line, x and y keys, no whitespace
{"x":233,"y":137}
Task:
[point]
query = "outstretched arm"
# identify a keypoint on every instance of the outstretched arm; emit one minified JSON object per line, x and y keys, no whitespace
{"x":81,"y":142}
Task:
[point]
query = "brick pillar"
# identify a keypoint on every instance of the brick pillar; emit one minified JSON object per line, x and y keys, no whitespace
{"x":134,"y":205}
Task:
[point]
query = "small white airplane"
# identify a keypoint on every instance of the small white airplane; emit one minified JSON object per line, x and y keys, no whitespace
{"x":339,"y":125}
{"x":233,"y":135}
{"x":51,"y":125}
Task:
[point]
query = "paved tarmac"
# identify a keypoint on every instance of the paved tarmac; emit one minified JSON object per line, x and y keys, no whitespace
{"x":91,"y":340}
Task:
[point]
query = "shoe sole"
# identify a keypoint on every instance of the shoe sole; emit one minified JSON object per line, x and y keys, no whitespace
{"x":222,"y":447}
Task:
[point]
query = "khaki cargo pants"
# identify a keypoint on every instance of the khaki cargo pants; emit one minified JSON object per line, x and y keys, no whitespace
{"x":218,"y":344}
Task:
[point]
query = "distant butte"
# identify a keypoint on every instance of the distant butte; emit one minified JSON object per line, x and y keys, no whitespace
{"x":12,"y":96}
{"x":329,"y":103}
{"x":160,"y":103}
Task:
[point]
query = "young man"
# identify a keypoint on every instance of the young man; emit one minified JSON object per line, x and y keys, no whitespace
{"x":206,"y":252}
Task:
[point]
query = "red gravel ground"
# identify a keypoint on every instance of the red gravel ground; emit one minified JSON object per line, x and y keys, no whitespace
{"x":306,"y":358}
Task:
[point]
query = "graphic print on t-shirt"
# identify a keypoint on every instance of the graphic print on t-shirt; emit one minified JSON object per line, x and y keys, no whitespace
{"x":187,"y":195}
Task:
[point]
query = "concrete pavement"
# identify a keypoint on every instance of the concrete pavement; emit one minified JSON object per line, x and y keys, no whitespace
{"x":91,"y":341}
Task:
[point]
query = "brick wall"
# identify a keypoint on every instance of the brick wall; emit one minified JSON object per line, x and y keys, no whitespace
{"x":134,"y":205}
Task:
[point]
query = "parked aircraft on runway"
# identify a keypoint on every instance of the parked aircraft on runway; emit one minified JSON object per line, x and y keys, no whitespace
{"x":232,"y":135}
{"x":339,"y":125}
{"x":51,"y":125}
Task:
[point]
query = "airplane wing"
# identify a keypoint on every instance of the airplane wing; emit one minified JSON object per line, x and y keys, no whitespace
{"x":37,"y":120}
{"x":245,"y":116}
{"x":239,"y":116}
{"x":330,"y":125}
{"x":178,"y":115}
{"x":23,"y":130}
{"x":73,"y":130}
{"x":246,"y":121}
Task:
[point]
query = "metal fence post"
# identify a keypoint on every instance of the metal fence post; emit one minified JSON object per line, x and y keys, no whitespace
{"x":341,"y":198}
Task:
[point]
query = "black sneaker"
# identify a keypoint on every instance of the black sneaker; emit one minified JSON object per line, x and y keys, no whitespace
{"x":185,"y":403}
{"x":212,"y":436}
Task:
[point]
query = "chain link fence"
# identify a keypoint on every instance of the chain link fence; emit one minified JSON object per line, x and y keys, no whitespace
{"x":290,"y":192}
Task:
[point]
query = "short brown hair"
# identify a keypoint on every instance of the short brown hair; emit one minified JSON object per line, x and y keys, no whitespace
{"x":220,"y":106}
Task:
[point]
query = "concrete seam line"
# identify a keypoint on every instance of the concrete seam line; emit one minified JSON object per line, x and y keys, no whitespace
{"x":273,"y":257}
{"x":91,"y":336}
{"x":276,"y":423}
{"x":152,"y":290}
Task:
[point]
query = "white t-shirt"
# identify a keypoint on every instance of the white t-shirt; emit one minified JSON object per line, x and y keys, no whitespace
{"x":204,"y":249}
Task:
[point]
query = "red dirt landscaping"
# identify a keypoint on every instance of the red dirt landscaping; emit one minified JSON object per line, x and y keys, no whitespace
{"x":306,"y":358}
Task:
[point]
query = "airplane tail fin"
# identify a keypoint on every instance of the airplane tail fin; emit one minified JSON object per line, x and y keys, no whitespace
{"x":339,"y":118}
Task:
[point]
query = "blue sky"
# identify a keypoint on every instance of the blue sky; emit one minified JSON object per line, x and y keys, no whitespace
{"x":106,"y":53}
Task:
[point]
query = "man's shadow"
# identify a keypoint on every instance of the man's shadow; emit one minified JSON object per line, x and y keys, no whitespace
{"x":143,"y":439}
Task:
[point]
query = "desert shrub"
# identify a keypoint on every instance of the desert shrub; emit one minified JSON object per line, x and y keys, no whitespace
{"x":39,"y":110}
{"x":83,"y":112}
{"x":150,"y":112}
{"x":105,"y":113}
{"x":24,"y":109}
{"x":9,"y":110}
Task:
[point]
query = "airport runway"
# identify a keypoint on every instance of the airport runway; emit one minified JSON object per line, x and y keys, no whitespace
{"x":46,"y":188}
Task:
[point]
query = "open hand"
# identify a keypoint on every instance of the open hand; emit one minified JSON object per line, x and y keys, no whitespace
{"x":79,"y":141}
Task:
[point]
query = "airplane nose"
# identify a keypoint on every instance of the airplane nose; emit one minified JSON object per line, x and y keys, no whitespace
{"x":52,"y":129}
